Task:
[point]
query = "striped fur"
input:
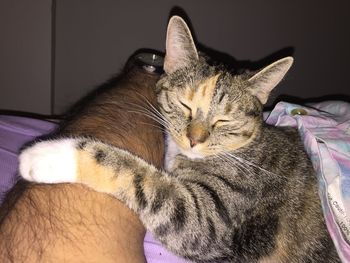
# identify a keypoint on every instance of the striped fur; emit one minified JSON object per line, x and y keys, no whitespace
{"x":235,"y":189}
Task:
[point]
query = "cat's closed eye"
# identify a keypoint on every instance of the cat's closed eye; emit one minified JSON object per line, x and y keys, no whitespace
{"x":219,"y":123}
{"x":188,"y":108}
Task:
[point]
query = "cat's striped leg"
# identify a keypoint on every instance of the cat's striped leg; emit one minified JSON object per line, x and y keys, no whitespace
{"x":97,"y":165}
{"x":78,"y":160}
{"x":171,"y":208}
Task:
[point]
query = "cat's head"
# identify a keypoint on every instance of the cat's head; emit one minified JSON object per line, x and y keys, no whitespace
{"x":207,"y":110}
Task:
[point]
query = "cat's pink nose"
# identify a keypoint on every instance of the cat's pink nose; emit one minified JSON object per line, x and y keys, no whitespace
{"x":193,"y":142}
{"x":196,"y":133}
{"x":196,"y":138}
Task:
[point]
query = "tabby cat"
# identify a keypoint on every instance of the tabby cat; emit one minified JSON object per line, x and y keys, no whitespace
{"x":235,"y":190}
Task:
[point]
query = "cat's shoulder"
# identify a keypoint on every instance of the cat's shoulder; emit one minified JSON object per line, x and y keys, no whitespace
{"x":283,"y":134}
{"x":280,"y":130}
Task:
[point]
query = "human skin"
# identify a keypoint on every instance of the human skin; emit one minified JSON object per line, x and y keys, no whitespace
{"x":70,"y":223}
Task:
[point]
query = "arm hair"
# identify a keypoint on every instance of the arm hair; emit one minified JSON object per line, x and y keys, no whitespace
{"x":70,"y":223}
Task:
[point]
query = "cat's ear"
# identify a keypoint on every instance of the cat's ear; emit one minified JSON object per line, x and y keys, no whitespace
{"x":180,"y":48}
{"x":262,"y":83}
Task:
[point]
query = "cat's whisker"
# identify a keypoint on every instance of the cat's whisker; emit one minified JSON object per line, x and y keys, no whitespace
{"x":157,"y":116}
{"x":159,"y":127}
{"x":246,"y":162}
{"x":234,"y":164}
{"x":232,"y":161}
{"x":143,"y":110}
{"x":141,"y":107}
{"x":152,"y":112}
{"x":245,"y":165}
{"x":154,"y":109}
{"x":243,"y":168}
{"x":167,"y":126}
{"x":149,"y":110}
{"x":152,"y":116}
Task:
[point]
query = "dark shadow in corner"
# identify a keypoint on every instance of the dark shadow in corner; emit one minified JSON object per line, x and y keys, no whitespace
{"x":240,"y":66}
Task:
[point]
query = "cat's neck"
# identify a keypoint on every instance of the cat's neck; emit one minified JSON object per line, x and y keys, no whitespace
{"x":171,"y":150}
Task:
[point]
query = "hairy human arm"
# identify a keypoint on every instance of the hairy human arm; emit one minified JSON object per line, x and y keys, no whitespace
{"x":69,"y":223}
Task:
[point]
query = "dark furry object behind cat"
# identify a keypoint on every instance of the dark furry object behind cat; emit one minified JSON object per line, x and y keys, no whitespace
{"x":112,"y":106}
{"x":235,"y":190}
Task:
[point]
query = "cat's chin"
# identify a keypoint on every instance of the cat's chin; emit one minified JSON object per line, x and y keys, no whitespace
{"x":192,"y":154}
{"x":173,"y":149}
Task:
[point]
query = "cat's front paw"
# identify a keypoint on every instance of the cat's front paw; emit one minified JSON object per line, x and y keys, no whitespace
{"x":49,"y":162}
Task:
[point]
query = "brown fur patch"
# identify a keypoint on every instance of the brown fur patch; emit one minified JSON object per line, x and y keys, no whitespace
{"x":111,"y":117}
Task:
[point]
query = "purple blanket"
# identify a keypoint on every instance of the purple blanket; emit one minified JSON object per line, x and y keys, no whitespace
{"x":16,"y":131}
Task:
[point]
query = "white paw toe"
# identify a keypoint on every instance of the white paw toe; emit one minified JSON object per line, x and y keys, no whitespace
{"x":49,"y":162}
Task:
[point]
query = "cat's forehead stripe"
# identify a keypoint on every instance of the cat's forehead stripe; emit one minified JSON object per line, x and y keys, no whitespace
{"x":207,"y":90}
{"x":209,"y":85}
{"x":202,"y":95}
{"x":204,"y":89}
{"x":190,"y":94}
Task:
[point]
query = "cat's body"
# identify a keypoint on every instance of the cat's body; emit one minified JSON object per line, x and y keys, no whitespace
{"x":265,"y":219}
{"x":236,"y":189}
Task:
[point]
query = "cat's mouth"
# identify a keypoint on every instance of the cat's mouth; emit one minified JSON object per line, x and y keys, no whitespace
{"x":193,"y":152}
{"x":183,"y":146}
